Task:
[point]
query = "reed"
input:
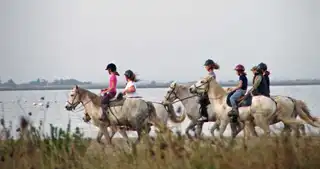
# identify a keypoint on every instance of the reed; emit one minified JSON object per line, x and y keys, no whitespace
{"x":66,"y":149}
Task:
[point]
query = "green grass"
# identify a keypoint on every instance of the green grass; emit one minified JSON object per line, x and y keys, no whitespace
{"x":64,"y":149}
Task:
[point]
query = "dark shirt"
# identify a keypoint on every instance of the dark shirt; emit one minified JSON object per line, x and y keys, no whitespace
{"x":244,"y":80}
{"x":266,"y":77}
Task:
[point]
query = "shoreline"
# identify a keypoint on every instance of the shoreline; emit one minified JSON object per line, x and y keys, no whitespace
{"x":68,"y":87}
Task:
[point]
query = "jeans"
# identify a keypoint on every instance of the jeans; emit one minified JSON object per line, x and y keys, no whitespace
{"x":235,"y":96}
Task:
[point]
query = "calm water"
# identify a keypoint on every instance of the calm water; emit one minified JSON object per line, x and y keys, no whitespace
{"x":17,"y":103}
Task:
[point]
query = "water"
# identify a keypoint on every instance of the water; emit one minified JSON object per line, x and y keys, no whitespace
{"x":16,"y":103}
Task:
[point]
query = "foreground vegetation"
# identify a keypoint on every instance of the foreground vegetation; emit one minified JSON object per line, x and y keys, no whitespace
{"x":69,"y":150}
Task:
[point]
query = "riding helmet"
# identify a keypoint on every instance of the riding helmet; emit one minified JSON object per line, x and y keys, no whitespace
{"x":239,"y":67}
{"x":209,"y":62}
{"x":112,"y":67}
{"x":129,"y":74}
{"x":263,"y":66}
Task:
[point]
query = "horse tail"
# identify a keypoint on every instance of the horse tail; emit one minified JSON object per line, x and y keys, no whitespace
{"x":172,"y":114}
{"x":304,"y":113}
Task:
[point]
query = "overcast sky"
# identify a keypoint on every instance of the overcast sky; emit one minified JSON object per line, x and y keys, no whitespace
{"x":161,"y":40}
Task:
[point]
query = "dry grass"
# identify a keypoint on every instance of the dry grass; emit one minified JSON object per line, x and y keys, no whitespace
{"x":66,"y":150}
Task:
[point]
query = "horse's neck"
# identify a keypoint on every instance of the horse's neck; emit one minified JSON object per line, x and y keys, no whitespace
{"x":188,"y":103}
{"x":216,"y":93}
{"x":90,"y":105}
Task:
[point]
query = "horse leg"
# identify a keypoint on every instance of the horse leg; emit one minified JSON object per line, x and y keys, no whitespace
{"x":99,"y":136}
{"x":223,"y":127}
{"x":142,"y":130}
{"x":303,"y":129}
{"x":106,"y":134}
{"x":215,"y":126}
{"x":113,"y":131}
{"x":295,"y":128}
{"x":251,"y":126}
{"x":286,"y":130}
{"x":199,"y":129}
{"x":262,"y":122}
{"x":123,"y":132}
{"x":191,"y":125}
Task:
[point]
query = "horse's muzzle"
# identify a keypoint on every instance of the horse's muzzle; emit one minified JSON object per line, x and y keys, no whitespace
{"x":69,"y":108}
{"x":191,"y":90}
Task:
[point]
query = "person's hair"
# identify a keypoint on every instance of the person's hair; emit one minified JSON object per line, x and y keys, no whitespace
{"x":216,"y":66}
{"x":134,"y":78}
{"x":242,"y":72}
{"x":115,"y":72}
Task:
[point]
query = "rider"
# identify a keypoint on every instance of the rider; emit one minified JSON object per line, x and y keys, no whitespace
{"x":130,"y":89}
{"x":259,"y":84}
{"x":266,"y":74}
{"x":111,"y":91}
{"x":210,"y":65}
{"x":239,"y":90}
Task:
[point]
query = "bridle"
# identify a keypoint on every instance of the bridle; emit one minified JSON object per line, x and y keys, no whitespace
{"x":205,"y":90}
{"x":177,"y":98}
{"x":74,"y":104}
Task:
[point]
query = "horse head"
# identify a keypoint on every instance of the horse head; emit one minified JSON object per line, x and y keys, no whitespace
{"x":74,"y":98}
{"x":201,"y":86}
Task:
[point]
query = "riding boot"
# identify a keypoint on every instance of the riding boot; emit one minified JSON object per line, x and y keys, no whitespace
{"x":204,"y":113}
{"x":233,"y":114}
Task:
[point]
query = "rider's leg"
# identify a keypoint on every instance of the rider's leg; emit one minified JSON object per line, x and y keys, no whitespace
{"x":233,"y":100}
{"x":104,"y":104}
{"x":204,"y":102}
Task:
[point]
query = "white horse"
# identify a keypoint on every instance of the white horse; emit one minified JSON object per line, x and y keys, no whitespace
{"x":190,"y":102}
{"x":133,"y":113}
{"x":258,"y":110}
{"x":164,"y":112}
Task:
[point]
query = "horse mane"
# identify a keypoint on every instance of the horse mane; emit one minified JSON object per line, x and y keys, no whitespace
{"x":218,"y":88}
{"x":92,"y":96}
{"x":184,"y":86}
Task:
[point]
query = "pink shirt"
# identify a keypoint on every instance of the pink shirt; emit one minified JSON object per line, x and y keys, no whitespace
{"x":113,"y":80}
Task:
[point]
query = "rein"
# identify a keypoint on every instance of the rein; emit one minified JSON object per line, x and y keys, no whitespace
{"x":75,"y":104}
{"x":206,"y":91}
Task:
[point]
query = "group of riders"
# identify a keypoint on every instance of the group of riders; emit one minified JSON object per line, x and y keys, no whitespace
{"x":261,"y":86}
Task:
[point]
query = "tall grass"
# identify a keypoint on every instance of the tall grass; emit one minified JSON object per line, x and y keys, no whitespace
{"x":66,"y":149}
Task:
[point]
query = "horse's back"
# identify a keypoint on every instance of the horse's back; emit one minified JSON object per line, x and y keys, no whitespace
{"x":263,"y":103}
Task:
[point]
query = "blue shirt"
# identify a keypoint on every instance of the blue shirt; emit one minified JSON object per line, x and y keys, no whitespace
{"x":244,"y":80}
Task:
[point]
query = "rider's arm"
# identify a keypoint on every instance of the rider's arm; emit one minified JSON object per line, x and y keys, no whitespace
{"x":131,"y":89}
{"x":256,"y":84}
{"x":238,"y":86}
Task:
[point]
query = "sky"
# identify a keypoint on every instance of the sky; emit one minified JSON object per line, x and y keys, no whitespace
{"x":158,"y":39}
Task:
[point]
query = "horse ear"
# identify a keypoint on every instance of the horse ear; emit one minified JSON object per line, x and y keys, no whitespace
{"x":77,"y":87}
{"x":173,"y":84}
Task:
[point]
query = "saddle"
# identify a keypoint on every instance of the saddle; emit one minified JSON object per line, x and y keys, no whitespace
{"x":117,"y":101}
{"x":243,"y":101}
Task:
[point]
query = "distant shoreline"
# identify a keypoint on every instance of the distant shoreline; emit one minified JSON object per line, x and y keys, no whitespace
{"x":68,"y":87}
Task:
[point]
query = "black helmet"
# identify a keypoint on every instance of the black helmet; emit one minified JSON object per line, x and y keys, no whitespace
{"x":209,"y":62}
{"x":129,"y":74}
{"x":263,"y":66}
{"x":259,"y":68}
{"x":112,"y":67}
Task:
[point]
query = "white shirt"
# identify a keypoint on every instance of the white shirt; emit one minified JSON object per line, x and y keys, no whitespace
{"x":134,"y":94}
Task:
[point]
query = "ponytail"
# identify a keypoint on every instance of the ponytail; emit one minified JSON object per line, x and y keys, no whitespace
{"x":216,"y":66}
{"x":134,"y":78}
